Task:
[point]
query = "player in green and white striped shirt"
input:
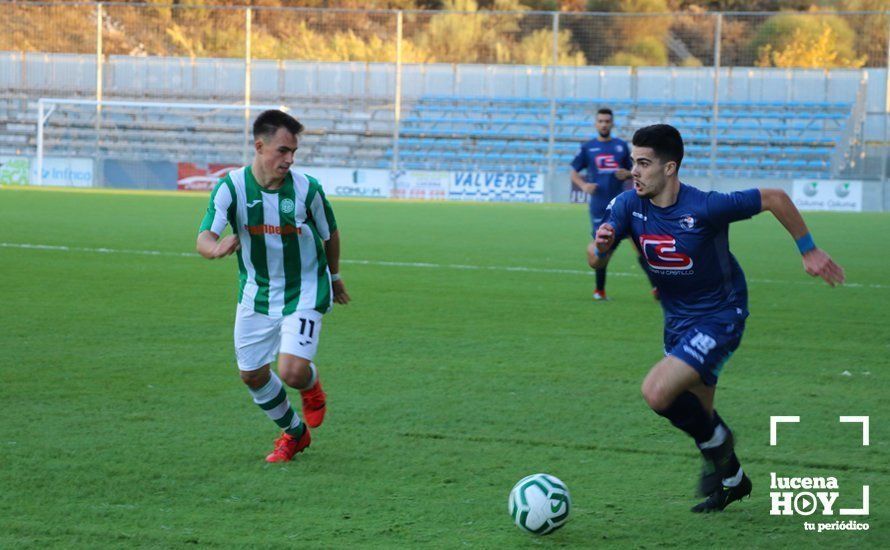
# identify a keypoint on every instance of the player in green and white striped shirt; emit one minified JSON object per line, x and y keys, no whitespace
{"x":288,"y":248}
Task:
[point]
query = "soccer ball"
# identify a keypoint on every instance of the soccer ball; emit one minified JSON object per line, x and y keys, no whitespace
{"x":539,"y":504}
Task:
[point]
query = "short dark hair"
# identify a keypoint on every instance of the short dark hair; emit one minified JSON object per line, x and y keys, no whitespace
{"x":663,"y":139}
{"x":605,"y":111}
{"x":270,"y":121}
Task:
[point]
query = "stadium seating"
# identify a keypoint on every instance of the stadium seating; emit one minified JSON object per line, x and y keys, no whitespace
{"x":340,"y":132}
{"x":753,"y":139}
{"x":446,"y":132}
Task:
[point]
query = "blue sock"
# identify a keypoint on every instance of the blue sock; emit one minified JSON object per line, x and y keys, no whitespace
{"x":601,"y":279}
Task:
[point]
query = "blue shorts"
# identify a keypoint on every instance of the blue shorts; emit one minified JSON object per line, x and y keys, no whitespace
{"x":705,"y":346}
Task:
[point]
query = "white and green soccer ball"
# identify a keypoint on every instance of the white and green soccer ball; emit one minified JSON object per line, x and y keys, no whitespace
{"x":539,"y":504}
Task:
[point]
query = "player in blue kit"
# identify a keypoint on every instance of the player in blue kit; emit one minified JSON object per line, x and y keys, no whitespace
{"x":606,"y":163}
{"x":683,"y":233}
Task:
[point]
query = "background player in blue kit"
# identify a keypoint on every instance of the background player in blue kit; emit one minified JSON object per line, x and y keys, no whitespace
{"x":683,"y":233}
{"x":606,"y":163}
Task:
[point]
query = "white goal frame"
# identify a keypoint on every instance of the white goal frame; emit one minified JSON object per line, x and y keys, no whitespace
{"x":47,"y":105}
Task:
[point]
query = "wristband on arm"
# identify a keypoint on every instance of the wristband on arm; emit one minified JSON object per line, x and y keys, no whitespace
{"x":335,"y":277}
{"x":805,"y":244}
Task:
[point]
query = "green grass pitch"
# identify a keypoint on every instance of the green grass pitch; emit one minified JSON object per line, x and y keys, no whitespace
{"x":471,"y":356}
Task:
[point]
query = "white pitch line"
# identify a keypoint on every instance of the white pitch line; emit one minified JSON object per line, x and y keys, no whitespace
{"x":483,"y":267}
{"x":59,"y":248}
{"x":422,"y":265}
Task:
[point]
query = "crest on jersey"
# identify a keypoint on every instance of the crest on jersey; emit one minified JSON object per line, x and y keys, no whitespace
{"x":619,"y":148}
{"x":287,"y":206}
{"x":687,"y":221}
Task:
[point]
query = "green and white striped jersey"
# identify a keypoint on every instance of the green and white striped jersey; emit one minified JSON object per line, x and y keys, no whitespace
{"x":282,"y":264}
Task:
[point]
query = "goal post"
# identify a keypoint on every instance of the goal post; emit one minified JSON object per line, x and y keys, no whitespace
{"x":147,"y":130}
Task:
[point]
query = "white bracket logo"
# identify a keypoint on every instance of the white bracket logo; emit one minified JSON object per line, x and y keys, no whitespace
{"x":782,"y":503}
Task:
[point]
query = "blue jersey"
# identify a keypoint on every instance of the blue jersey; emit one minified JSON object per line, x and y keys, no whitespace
{"x":601,"y":159}
{"x":687,"y":248}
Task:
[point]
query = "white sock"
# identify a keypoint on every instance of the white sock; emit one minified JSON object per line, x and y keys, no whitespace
{"x":272,"y":398}
{"x":716,"y":440}
{"x":734,"y":480}
{"x":313,"y":378}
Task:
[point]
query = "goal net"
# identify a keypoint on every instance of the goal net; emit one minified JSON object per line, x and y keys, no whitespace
{"x":135,"y":144}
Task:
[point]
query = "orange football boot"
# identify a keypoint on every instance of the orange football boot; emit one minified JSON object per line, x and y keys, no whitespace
{"x":287,"y":446}
{"x":314,"y":405}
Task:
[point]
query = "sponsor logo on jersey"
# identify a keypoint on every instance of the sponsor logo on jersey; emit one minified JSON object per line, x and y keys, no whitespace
{"x":287,"y":206}
{"x":253,"y":203}
{"x":606,"y":162}
{"x":268,"y":229}
{"x":661,"y":253}
{"x":638,"y":215}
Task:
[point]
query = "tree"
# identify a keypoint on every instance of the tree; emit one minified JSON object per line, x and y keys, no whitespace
{"x":747,"y":5}
{"x":695,"y":29}
{"x":472,"y":36}
{"x":639,"y":37}
{"x":871,"y":29}
{"x":819,"y":52}
{"x":537,"y":49}
{"x":805,"y":40}
{"x":52,"y":29}
{"x":644,"y":52}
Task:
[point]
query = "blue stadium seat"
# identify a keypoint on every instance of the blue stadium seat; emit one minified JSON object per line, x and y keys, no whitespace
{"x":753,"y":137}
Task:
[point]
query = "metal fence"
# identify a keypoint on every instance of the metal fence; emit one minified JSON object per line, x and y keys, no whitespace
{"x":260,"y":54}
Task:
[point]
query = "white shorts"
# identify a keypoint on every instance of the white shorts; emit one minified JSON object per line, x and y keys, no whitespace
{"x":259,"y":338}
